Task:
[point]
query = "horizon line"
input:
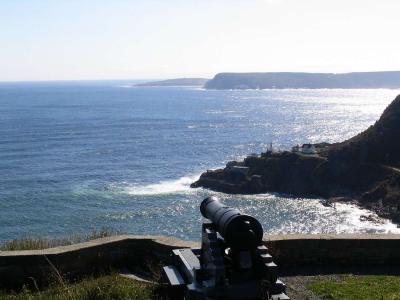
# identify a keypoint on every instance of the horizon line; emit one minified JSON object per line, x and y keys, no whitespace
{"x":182,"y":77}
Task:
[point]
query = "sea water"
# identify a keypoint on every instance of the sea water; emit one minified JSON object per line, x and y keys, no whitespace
{"x":79,"y":156}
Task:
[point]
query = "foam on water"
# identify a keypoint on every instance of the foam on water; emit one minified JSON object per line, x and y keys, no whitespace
{"x":354,"y":224}
{"x":181,"y":185}
{"x":279,"y":214}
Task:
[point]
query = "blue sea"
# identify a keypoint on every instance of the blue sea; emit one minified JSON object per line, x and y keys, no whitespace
{"x":80,"y":156}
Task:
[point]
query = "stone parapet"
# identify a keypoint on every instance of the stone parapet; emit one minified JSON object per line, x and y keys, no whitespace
{"x":138,"y":252}
{"x":39,"y":267}
{"x":334,"y":250}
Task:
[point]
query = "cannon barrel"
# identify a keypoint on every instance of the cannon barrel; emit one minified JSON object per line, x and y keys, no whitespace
{"x":239,"y":231}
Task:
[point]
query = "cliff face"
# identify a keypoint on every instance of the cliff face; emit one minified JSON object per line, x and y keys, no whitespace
{"x":282,"y":80}
{"x":298,"y":175}
{"x":378,"y":144}
{"x":364,"y":168}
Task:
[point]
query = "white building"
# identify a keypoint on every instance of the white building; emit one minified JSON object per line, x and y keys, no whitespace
{"x":308,"y":149}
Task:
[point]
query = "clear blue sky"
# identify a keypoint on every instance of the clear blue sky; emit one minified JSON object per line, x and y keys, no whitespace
{"x":71,"y":39}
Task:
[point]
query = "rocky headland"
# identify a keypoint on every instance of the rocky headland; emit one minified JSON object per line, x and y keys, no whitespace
{"x":364,"y":169}
{"x":293,"y":80}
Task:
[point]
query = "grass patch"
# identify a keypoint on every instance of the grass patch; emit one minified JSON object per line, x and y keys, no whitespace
{"x":38,"y":243}
{"x":110,"y":287}
{"x":358,"y":287}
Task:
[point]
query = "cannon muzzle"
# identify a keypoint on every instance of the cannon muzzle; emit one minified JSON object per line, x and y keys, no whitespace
{"x":239,"y":231}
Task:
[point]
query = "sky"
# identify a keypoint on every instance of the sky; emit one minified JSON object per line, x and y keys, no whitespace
{"x":121,"y":39}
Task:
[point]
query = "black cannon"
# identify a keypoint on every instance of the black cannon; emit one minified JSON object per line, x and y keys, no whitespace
{"x":239,"y":231}
{"x":232,"y":262}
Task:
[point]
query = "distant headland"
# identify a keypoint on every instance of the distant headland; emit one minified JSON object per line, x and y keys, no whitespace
{"x":364,"y":169}
{"x":175,"y":82}
{"x":287,"y":80}
{"x":291,"y":80}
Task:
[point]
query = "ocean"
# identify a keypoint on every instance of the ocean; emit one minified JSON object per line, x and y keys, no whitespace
{"x":80,"y":156}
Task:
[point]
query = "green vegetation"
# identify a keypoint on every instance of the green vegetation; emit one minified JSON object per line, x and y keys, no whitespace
{"x":37,"y":243}
{"x":110,"y":287}
{"x":358,"y":287}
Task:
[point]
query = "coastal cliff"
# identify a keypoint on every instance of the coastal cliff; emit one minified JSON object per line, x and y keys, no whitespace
{"x":363,"y":169}
{"x":287,"y":80}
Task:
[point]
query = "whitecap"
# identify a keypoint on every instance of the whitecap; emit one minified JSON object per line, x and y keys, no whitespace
{"x":181,"y":185}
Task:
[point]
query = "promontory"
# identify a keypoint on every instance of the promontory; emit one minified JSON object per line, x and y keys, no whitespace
{"x":364,"y":169}
{"x":291,"y":80}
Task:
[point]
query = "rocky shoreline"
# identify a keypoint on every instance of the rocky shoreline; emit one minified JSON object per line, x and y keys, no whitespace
{"x":363,"y":170}
{"x":308,"y":176}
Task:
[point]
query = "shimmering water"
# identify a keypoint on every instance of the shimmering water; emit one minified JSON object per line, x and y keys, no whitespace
{"x":79,"y":156}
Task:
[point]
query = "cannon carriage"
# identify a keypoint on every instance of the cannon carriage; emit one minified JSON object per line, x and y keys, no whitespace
{"x":232,"y":262}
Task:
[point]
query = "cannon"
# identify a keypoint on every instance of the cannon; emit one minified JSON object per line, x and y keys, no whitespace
{"x":232,"y":262}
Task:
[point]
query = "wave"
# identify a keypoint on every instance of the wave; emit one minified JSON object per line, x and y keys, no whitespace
{"x":181,"y":185}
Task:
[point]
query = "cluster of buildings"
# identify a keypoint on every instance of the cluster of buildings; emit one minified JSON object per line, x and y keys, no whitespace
{"x":305,"y":149}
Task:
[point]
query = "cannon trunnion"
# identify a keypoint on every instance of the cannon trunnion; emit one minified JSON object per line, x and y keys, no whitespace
{"x":232,"y":262}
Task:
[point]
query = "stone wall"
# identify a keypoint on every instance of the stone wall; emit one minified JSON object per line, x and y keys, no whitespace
{"x":38,"y":267}
{"x":334,"y":250}
{"x":141,"y":252}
